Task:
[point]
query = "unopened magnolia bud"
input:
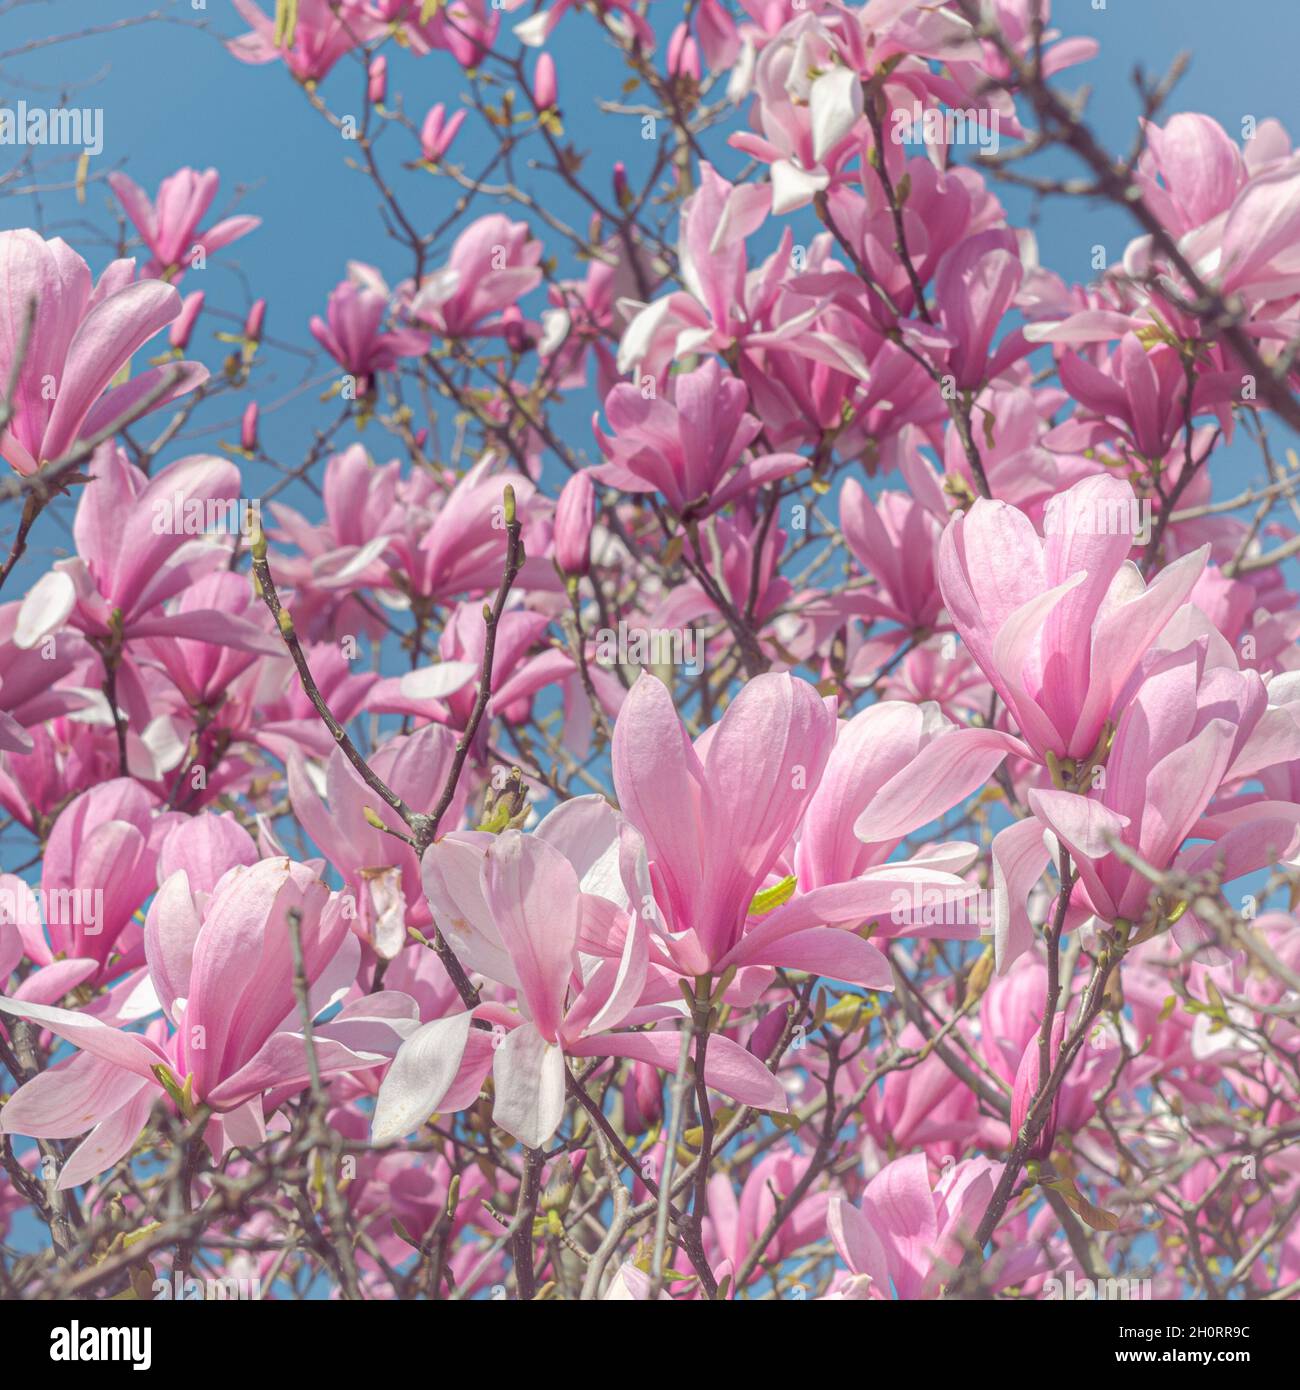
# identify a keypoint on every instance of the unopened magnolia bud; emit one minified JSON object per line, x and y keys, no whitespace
{"x":183,"y":327}
{"x":514,"y":328}
{"x":378,"y":84}
{"x":558,"y":1192}
{"x":1025,"y":1090}
{"x":642,"y":1098}
{"x":255,"y":321}
{"x":622,"y":193}
{"x":545,"y":87}
{"x":980,"y":975}
{"x":683,"y":54}
{"x":574,"y":515}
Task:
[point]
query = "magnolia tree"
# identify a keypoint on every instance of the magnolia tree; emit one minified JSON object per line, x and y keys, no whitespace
{"x":827,"y":830}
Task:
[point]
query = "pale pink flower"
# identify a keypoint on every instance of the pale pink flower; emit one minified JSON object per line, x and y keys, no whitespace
{"x":82,"y":335}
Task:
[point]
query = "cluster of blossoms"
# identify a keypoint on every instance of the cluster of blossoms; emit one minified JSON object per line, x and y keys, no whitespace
{"x":830,"y":832}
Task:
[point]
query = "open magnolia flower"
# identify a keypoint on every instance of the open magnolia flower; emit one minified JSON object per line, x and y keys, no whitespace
{"x":578,"y":962}
{"x":220,"y":965}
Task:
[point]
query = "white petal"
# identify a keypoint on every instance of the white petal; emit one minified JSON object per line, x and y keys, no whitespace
{"x":528,"y":1074}
{"x":45,"y":609}
{"x":433,"y":682}
{"x":422,"y":1071}
{"x":836,"y":105}
{"x":793,"y":187}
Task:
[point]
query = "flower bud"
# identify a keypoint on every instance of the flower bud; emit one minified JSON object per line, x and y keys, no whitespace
{"x":255,"y":321}
{"x":248,"y":428}
{"x":437,"y":133}
{"x":683,"y":55}
{"x":558,"y":1192}
{"x":514,"y":328}
{"x":545,"y":87}
{"x":378,"y":88}
{"x":574,"y":515}
{"x":622,"y":193}
{"x":643,"y":1101}
{"x":191,"y":307}
{"x":1026,"y":1088}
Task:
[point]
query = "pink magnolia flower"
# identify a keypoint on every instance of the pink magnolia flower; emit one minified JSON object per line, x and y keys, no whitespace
{"x":896,"y":539}
{"x":426,"y":538}
{"x":1186,"y":730}
{"x":437,"y":132}
{"x":344,"y":552}
{"x":446,"y":691}
{"x":221,"y":963}
{"x":1059,"y":624}
{"x":82,"y":335}
{"x":1015,"y":20}
{"x":467,"y":29}
{"x":1189,"y":171}
{"x":1011,"y":1014}
{"x":733,"y":1226}
{"x":808,"y":82}
{"x":454,"y":542}
{"x":718,"y":34}
{"x":909,"y":1235}
{"x":203,"y":672}
{"x":545,"y":85}
{"x":69,"y":756}
{"x":929,"y":672}
{"x":13,"y":738}
{"x":183,"y":327}
{"x":538,"y":27}
{"x":1018,"y":463}
{"x":520,"y":913}
{"x":1137,"y":394}
{"x":711,"y":313}
{"x":381,"y":871}
{"x":895,"y":768}
{"x":683,"y":57}
{"x":1253,"y":250}
{"x":36,"y":686}
{"x":689,"y":448}
{"x":974,"y":286}
{"x":100,"y":866}
{"x":946,"y":209}
{"x":141,"y":541}
{"x":377,"y":87}
{"x":169,"y":226}
{"x":415,"y":1189}
{"x":493,"y":264}
{"x":266,"y":705}
{"x":718,"y":817}
{"x":323,"y":33}
{"x":808,"y":103}
{"x":352,"y":333}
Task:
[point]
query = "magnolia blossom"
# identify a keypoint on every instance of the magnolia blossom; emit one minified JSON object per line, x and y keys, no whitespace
{"x":65,"y":340}
{"x":220,"y":967}
{"x":169,"y":225}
